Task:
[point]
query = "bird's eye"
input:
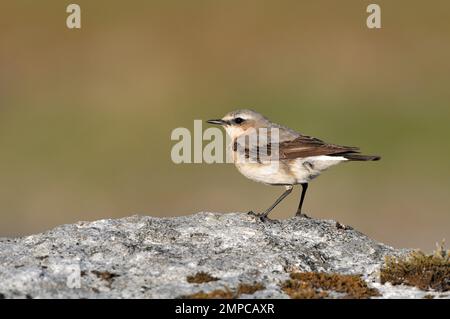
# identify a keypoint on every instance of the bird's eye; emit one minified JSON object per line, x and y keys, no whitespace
{"x":239,"y":120}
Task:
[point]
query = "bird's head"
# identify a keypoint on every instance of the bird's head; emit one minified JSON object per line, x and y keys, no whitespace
{"x":240,"y":121}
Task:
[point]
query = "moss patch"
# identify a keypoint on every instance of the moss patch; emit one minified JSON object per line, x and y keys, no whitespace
{"x":200,"y":277}
{"x":301,"y":290}
{"x":249,"y":289}
{"x":215,"y":294}
{"x":419,"y":270}
{"x":227,"y":293}
{"x":311,"y":285}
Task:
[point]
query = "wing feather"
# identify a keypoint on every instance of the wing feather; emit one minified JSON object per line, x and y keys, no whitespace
{"x":299,"y":147}
{"x":305,"y":146}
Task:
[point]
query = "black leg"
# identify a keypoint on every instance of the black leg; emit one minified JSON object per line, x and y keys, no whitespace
{"x":287,"y":192}
{"x":302,"y":198}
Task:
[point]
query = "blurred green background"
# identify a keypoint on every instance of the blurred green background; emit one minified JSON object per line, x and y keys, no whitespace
{"x":86,"y":115}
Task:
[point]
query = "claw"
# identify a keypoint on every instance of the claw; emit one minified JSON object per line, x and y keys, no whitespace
{"x":261,"y":217}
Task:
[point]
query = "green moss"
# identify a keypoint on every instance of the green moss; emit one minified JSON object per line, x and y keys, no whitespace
{"x":297,"y":289}
{"x":227,"y":293}
{"x":311,"y":285}
{"x":249,"y":289}
{"x":419,"y":270}
{"x":200,"y":277}
{"x":215,"y":294}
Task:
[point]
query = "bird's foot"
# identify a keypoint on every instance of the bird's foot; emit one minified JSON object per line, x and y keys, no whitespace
{"x":261,"y":217}
{"x":302,"y":215}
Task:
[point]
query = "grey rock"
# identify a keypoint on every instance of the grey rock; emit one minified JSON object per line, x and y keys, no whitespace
{"x":149,"y":257}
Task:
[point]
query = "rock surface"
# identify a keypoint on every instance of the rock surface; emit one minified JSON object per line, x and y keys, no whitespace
{"x":149,"y":257}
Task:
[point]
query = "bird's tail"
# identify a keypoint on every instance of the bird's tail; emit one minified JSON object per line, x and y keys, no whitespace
{"x":359,"y":157}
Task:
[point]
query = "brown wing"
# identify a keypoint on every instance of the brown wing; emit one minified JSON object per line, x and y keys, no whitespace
{"x":305,"y":146}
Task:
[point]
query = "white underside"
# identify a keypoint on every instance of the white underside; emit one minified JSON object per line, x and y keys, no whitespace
{"x":301,"y":170}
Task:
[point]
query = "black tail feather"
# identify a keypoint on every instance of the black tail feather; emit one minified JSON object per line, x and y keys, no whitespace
{"x":359,"y":157}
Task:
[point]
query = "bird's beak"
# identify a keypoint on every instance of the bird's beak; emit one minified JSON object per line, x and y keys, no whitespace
{"x":217,"y":122}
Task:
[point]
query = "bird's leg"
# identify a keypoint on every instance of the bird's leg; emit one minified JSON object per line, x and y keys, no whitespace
{"x":302,"y":198}
{"x":266,"y":213}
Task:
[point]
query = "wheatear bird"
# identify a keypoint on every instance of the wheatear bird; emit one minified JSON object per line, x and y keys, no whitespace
{"x":298,"y":158}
